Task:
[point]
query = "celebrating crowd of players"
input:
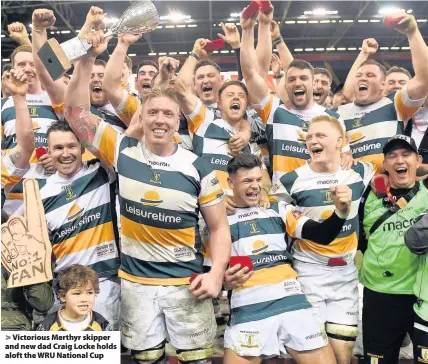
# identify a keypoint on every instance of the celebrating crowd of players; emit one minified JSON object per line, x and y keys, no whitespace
{"x":155,"y":191}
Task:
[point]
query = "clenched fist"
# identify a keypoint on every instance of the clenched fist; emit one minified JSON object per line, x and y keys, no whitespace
{"x":369,"y":46}
{"x":342,"y":197}
{"x":43,"y":18}
{"x":17,"y":31}
{"x":16,"y":84}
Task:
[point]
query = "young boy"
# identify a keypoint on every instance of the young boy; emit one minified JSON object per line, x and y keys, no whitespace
{"x":78,"y":286}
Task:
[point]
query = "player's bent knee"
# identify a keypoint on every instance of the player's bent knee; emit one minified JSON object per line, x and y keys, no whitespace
{"x":195,"y":356}
{"x":153,"y":355}
{"x":341,"y":332}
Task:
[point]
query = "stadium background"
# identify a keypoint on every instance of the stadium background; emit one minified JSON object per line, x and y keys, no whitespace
{"x":326,"y":33}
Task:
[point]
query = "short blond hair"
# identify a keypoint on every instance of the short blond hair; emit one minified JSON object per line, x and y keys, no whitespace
{"x":22,"y":48}
{"x":329,"y":119}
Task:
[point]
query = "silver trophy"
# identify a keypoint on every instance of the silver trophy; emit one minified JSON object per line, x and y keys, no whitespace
{"x":140,"y":17}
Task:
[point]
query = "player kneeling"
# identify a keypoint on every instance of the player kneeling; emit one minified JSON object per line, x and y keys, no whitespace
{"x":78,"y":286}
{"x":269,"y":311}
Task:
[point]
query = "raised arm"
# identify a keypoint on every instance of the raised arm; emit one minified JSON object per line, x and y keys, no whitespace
{"x":284,"y":53}
{"x":113,"y":73}
{"x":77,"y":101}
{"x":368,"y":48}
{"x":264,"y":41}
{"x":231,"y":36}
{"x":43,"y":19}
{"x":301,"y":227}
{"x":417,"y":87}
{"x":18,"y":33}
{"x":184,"y":81}
{"x":17,"y":86}
{"x":256,"y":85}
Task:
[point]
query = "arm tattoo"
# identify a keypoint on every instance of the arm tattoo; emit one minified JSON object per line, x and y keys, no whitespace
{"x":83,"y":123}
{"x":15,"y":157}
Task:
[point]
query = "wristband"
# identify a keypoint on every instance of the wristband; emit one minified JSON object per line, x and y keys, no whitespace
{"x":278,"y":76}
{"x":38,"y":30}
{"x":194,"y":55}
{"x":277,"y":40}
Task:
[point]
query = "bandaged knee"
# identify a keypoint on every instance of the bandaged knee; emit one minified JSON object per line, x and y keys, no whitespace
{"x":341,"y":332}
{"x":153,"y":355}
{"x":195,"y":356}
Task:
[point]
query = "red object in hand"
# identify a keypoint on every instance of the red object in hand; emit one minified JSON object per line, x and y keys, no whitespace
{"x":244,"y":261}
{"x":192,"y":278}
{"x":40,"y":151}
{"x":265,"y":5}
{"x":379,"y":182}
{"x":392,"y":21}
{"x":252,"y":9}
{"x":214,"y":45}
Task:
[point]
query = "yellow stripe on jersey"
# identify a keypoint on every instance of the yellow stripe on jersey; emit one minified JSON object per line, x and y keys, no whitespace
{"x":265,"y":111}
{"x":339,"y":246}
{"x":195,"y":122}
{"x":84,"y":240}
{"x":406,"y":112}
{"x":145,"y":234}
{"x":286,"y":164}
{"x":15,"y":196}
{"x":210,"y":197}
{"x":131,"y":106}
{"x":271,"y":275}
{"x":375,"y":159}
{"x":155,"y":281}
{"x":107,"y":145}
{"x":222,"y":179}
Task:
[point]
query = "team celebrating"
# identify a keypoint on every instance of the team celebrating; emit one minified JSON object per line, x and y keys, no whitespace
{"x":160,"y":196}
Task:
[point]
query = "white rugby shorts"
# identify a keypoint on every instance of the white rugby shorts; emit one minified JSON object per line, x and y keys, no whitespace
{"x":333,"y":291}
{"x":299,"y":330}
{"x":150,"y":314}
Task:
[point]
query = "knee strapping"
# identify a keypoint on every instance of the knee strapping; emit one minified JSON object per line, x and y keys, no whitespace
{"x":341,"y":332}
{"x":195,"y":356}
{"x":153,"y":355}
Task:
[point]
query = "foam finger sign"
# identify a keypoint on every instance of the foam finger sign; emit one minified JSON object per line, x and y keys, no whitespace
{"x":26,"y":249}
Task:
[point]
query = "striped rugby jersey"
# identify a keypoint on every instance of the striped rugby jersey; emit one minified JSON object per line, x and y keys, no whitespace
{"x":43,"y":115}
{"x":286,"y":131}
{"x":257,"y":127}
{"x":273,"y":289}
{"x":160,"y":200}
{"x":10,"y":174}
{"x":309,"y":191}
{"x":210,"y":137}
{"x":369,"y":127}
{"x":79,"y":219}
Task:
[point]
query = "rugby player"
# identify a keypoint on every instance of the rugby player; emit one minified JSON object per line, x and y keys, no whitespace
{"x":269,"y":311}
{"x":372,"y":118}
{"x":328,"y":274}
{"x":42,"y":115}
{"x":15,"y":162}
{"x":322,"y":85}
{"x":286,"y":127}
{"x":77,"y":201}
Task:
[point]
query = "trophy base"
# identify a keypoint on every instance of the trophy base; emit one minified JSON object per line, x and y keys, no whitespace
{"x":54,"y":59}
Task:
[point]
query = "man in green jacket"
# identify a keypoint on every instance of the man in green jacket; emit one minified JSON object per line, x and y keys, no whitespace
{"x":416,"y":239}
{"x":389,"y":268}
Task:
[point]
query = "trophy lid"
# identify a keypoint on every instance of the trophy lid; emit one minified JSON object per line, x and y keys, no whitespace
{"x":140,"y":17}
